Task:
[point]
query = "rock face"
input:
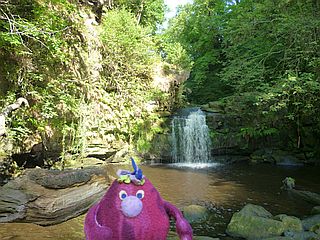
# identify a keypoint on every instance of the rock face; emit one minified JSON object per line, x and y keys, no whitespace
{"x":254,"y":222}
{"x":47,"y":197}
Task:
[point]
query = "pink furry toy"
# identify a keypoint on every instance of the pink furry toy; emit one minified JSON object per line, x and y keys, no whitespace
{"x":133,"y":209}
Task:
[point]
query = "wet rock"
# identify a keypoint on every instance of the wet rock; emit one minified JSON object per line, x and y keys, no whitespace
{"x":290,"y":223}
{"x":195,"y":213}
{"x":255,"y":210}
{"x":307,"y":196}
{"x":254,"y":222}
{"x":315,"y":210}
{"x":310,"y":222}
{"x":300,"y":235}
{"x":288,"y":183}
{"x":295,"y":236}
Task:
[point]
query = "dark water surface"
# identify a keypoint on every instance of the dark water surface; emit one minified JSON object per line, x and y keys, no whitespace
{"x":223,"y":189}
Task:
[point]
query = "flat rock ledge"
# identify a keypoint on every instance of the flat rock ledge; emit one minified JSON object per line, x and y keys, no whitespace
{"x":48,"y":197}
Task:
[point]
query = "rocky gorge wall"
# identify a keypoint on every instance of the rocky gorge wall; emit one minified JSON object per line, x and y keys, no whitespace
{"x":229,"y":144}
{"x":94,"y":102}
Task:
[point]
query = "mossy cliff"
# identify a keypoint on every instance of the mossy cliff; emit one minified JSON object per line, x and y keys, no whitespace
{"x":90,"y":72}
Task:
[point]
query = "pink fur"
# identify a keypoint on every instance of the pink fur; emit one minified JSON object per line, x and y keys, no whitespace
{"x":106,"y":221}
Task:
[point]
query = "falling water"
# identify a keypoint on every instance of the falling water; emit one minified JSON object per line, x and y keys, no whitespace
{"x":190,"y":138}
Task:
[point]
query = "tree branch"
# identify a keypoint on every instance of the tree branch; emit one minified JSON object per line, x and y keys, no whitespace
{"x":8,"y":110}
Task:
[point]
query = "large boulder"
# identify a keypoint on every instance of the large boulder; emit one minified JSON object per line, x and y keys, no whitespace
{"x":47,"y":197}
{"x":255,"y":222}
{"x":290,"y":223}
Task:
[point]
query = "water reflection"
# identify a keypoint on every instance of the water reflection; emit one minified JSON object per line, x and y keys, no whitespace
{"x":186,"y":186}
{"x":70,"y":230}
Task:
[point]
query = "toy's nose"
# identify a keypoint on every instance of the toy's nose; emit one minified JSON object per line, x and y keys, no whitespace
{"x":131,"y":206}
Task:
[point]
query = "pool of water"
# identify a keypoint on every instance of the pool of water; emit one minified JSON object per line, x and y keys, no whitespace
{"x":223,"y":189}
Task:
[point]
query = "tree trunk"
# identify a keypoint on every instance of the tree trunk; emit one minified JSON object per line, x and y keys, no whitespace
{"x":139,"y":14}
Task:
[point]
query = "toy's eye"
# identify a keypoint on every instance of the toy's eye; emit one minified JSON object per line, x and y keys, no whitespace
{"x":122,"y":194}
{"x":140,"y":194}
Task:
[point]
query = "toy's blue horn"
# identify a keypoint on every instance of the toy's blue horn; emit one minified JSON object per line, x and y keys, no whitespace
{"x":135,"y":177}
{"x":137,"y":171}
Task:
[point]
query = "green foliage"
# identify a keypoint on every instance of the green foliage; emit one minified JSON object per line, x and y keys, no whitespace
{"x":129,"y":55}
{"x":33,"y":55}
{"x":198,"y":29}
{"x":43,"y":60}
{"x":261,"y":57}
{"x":174,"y":53}
{"x":265,"y":39}
{"x":125,"y":38}
{"x":148,"y":13}
{"x":261,"y":131}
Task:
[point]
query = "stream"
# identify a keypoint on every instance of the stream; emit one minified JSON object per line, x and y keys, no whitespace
{"x":223,"y":189}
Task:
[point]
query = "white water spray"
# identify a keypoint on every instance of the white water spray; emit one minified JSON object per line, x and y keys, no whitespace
{"x":190,"y":139}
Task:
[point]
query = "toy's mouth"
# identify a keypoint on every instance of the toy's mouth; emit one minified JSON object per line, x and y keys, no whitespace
{"x":131,"y":206}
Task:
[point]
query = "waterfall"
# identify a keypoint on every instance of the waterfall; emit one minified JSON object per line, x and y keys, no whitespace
{"x":190,"y":138}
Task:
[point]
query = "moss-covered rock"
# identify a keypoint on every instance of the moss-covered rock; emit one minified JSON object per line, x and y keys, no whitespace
{"x":255,"y":210}
{"x":195,"y":213}
{"x":316,"y":229}
{"x":255,"y":222}
{"x":253,"y":227}
{"x":290,"y":223}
